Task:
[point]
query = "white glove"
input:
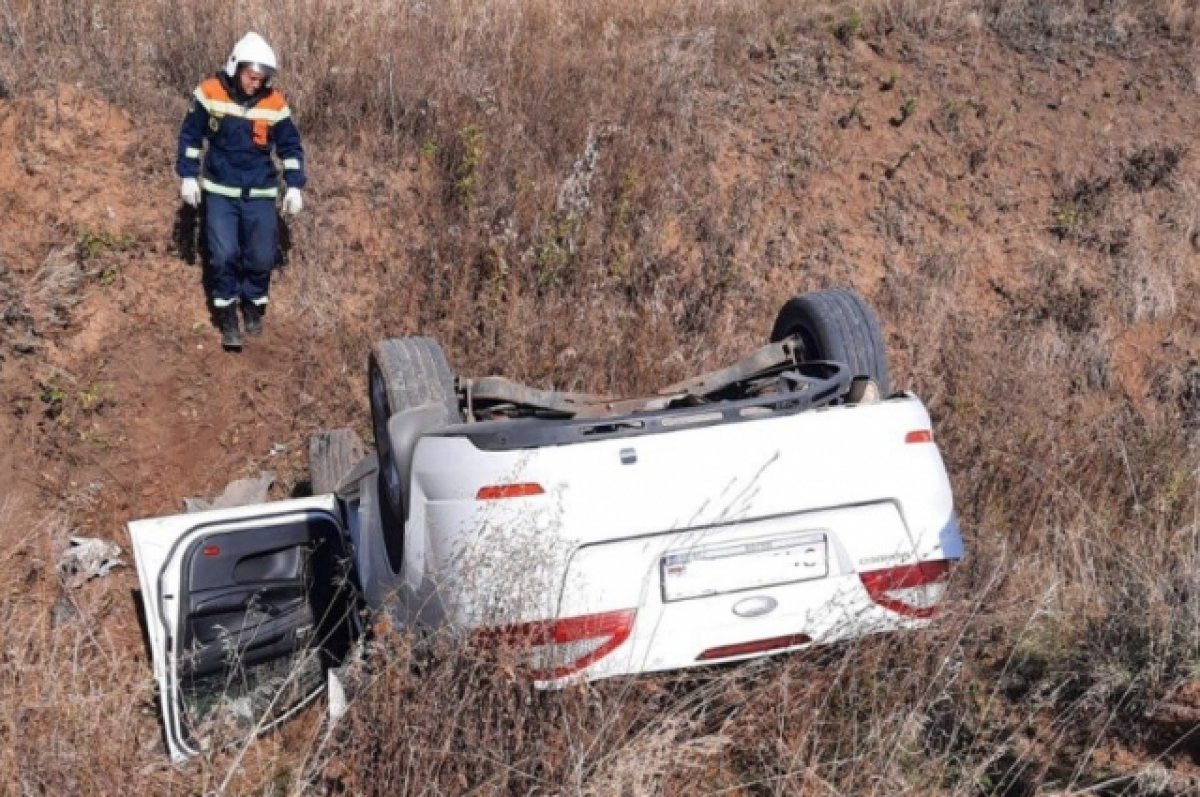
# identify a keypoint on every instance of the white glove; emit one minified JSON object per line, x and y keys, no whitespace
{"x":293,"y":201}
{"x":189,"y":190}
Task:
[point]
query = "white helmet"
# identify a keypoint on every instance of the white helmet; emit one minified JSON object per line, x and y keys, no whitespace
{"x":252,"y":50}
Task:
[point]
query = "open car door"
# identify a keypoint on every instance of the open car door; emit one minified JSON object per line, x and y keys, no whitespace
{"x":246,"y":609}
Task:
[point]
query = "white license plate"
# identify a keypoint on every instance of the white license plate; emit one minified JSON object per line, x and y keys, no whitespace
{"x":732,"y":567}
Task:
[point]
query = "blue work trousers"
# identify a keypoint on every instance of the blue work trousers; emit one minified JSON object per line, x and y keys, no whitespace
{"x":241,"y":247}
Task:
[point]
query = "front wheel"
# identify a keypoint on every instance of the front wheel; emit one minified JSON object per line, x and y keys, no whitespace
{"x":837,"y":324}
{"x":403,"y":373}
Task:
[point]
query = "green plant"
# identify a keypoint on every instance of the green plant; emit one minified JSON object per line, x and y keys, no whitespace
{"x":92,"y":398}
{"x":109,"y":275}
{"x":847,"y":29}
{"x":1066,"y":219}
{"x":466,"y":172}
{"x":54,"y":398}
{"x":553,"y":254}
{"x":907,"y":109}
{"x":622,"y":212}
{"x":52,"y":395}
{"x":93,"y":243}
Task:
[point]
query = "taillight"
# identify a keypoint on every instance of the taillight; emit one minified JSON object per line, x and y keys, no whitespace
{"x":919,"y":436}
{"x":558,"y":648}
{"x":908,"y":590}
{"x":757,"y":646}
{"x":494,"y":491}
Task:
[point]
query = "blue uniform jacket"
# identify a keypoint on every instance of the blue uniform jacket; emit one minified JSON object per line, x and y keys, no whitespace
{"x":242,"y":133}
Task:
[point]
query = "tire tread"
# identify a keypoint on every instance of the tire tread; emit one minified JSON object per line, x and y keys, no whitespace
{"x":842,"y":327}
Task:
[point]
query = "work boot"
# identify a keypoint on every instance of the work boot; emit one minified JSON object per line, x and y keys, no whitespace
{"x":231,"y":335}
{"x":252,"y":318}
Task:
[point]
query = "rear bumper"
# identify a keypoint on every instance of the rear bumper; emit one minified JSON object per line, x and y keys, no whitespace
{"x":775,"y":584}
{"x":709,"y":632}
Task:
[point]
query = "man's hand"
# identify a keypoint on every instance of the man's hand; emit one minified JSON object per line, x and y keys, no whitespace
{"x":189,"y":190}
{"x":293,"y":201}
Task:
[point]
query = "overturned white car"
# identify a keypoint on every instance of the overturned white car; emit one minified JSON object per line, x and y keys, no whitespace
{"x":787,"y":500}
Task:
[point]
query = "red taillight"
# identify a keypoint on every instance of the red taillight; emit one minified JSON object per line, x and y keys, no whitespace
{"x":211,"y":550}
{"x":919,"y":436}
{"x":758,"y":646}
{"x":558,"y":648}
{"x":909,"y":590}
{"x":494,"y":491}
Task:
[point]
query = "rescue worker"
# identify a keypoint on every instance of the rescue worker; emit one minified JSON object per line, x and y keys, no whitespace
{"x":244,"y":119}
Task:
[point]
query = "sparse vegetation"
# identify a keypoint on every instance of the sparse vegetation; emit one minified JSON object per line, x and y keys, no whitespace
{"x":895,"y":167}
{"x":93,"y":243}
{"x":848,"y":28}
{"x":1036,"y":273}
{"x":907,"y":109}
{"x":53,"y":397}
{"x":470,"y":152}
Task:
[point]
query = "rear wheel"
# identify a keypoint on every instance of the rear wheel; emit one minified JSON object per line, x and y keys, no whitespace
{"x":403,"y":373}
{"x":837,"y":324}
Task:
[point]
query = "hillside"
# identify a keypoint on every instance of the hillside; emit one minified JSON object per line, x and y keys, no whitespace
{"x":1014,"y":185}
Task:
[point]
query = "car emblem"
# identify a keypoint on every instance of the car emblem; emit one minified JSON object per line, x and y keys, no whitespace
{"x":755,"y":607}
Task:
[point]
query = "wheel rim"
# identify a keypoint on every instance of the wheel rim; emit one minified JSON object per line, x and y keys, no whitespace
{"x":807,"y":344}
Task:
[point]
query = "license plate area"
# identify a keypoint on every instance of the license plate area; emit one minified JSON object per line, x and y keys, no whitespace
{"x":747,"y":564}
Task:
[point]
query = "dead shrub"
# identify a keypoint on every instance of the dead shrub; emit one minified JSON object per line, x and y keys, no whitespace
{"x":1151,"y":167}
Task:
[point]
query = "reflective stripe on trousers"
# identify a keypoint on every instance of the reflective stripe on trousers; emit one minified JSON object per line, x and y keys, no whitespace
{"x":234,"y":192}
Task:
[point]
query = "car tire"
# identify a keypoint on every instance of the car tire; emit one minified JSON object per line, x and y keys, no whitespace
{"x":837,"y":324}
{"x":332,"y":455}
{"x":403,"y":373}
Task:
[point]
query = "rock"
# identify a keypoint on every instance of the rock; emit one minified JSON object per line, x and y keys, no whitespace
{"x":87,"y":558}
{"x":239,"y":492}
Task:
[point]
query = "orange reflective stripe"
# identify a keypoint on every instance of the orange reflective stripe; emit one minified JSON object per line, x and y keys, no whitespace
{"x":274,"y":101}
{"x":271,"y":108}
{"x":275,"y":104}
{"x":213,"y":89}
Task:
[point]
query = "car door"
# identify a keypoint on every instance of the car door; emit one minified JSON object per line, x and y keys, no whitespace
{"x":246,"y":609}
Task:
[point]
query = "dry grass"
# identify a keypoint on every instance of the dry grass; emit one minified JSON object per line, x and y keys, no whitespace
{"x":588,"y":216}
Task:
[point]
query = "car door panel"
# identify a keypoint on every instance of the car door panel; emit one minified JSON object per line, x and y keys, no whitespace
{"x":248,"y":608}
